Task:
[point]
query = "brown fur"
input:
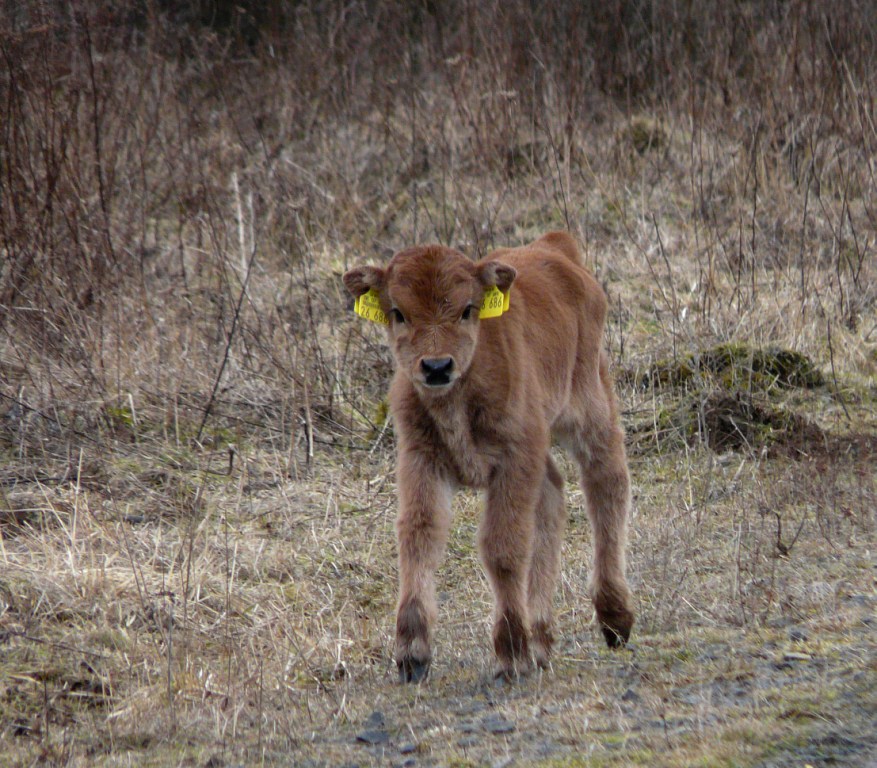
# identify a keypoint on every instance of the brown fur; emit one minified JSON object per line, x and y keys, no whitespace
{"x":477,"y":403}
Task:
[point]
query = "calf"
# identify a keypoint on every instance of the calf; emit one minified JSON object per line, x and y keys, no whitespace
{"x":476,"y":400}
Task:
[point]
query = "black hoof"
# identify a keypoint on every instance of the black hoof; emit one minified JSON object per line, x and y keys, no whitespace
{"x":412,"y":671}
{"x":614,"y":638}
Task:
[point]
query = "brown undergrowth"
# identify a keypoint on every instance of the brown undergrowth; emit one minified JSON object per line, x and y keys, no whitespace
{"x":197,"y":562}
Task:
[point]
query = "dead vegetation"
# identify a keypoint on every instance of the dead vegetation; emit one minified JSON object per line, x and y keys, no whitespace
{"x":196,"y":494}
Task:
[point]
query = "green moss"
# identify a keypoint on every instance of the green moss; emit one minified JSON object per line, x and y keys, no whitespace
{"x":218,"y":437}
{"x":738,"y":362}
{"x":645,"y":135}
{"x":671,"y":374}
{"x":641,"y":756}
{"x":736,"y":365}
{"x":724,"y":395}
{"x":684,"y":654}
{"x":735,"y":420}
{"x":119,"y":416}
{"x":380,"y":414}
{"x":724,"y":419}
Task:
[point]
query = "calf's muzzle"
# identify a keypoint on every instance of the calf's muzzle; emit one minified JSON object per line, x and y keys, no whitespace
{"x":437,"y":370}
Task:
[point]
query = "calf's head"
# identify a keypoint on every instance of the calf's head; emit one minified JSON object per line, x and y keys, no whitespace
{"x":432,"y":296}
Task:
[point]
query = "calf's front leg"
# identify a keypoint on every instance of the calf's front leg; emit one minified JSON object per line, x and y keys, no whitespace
{"x":506,"y":540}
{"x":422,"y":532}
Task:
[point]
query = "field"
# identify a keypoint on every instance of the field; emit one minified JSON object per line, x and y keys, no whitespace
{"x":197,"y":552}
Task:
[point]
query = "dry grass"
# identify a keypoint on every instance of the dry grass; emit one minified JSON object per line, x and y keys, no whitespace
{"x":197,"y":560}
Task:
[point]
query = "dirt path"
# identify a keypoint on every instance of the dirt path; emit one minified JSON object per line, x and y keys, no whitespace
{"x":776,"y":697}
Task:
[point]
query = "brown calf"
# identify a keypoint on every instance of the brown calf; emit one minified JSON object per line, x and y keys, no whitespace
{"x":476,"y":402}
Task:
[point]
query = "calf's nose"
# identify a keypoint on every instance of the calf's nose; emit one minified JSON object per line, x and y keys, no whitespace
{"x":437,"y":370}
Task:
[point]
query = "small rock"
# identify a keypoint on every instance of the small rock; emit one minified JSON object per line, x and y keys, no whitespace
{"x":407,"y":748}
{"x":373,"y":736}
{"x":630,"y":695}
{"x":798,"y":635}
{"x":795,"y":656}
{"x":375,"y":731}
{"x":862,"y":599}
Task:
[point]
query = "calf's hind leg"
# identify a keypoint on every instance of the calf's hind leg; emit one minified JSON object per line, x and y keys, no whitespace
{"x":597,"y":441}
{"x":607,"y":487}
{"x":545,"y":562}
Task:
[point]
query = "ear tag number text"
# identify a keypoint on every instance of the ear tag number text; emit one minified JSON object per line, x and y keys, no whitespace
{"x":495,"y":303}
{"x":369,"y":306}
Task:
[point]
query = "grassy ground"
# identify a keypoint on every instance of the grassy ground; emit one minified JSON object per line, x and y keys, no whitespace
{"x":197,"y":557}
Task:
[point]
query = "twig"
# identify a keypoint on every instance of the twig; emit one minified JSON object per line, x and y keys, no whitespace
{"x":675,"y":308}
{"x":225,"y":356}
{"x":53,"y":419}
{"x":170,"y":660}
{"x":98,"y":155}
{"x":380,"y":437}
{"x":55,"y":644}
{"x":834,"y":376}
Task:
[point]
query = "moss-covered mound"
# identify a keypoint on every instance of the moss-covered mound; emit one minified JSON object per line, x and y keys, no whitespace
{"x":734,"y":421}
{"x":729,"y":397}
{"x":735,"y":365}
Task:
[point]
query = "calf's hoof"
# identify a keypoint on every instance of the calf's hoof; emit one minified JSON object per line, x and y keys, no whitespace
{"x":412,"y":642}
{"x":541,"y":642}
{"x":512,"y":648}
{"x":614,"y":615}
{"x":616,"y":627}
{"x":412,"y":670}
{"x":614,"y":638}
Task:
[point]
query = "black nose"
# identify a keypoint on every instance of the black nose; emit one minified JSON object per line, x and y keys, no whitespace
{"x":437,"y":370}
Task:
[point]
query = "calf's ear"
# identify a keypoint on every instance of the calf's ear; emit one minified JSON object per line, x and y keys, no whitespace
{"x":360,"y":280}
{"x":496,"y":273}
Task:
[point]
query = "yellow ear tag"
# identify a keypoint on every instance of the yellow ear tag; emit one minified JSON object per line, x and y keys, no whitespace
{"x":369,"y":306}
{"x":495,"y":302}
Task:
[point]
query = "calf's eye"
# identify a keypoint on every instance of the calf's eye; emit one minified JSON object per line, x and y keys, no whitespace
{"x":397,"y":316}
{"x":467,"y":313}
